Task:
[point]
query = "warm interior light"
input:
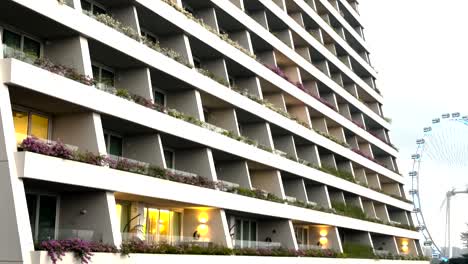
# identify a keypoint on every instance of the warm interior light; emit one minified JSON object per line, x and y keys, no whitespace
{"x":404,"y":248}
{"x":162,"y":228}
{"x":202,"y":229}
{"x":323,"y":240}
{"x":323,"y":233}
{"x":404,"y":243}
{"x":203,"y":218}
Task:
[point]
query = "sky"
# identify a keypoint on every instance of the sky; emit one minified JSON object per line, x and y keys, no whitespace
{"x":419,"y":48}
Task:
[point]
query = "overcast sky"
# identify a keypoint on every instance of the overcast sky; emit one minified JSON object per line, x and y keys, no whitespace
{"x":419,"y":48}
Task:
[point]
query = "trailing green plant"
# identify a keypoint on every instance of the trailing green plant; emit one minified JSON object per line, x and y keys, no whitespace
{"x":213,"y":76}
{"x":353,"y":250}
{"x":332,"y":138}
{"x":132,"y":33}
{"x":338,"y":173}
{"x":349,"y":210}
{"x":222,"y":36}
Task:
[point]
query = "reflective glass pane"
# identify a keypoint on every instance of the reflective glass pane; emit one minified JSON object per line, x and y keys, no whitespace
{"x":20,"y":120}
{"x":152,"y":227}
{"x":31,"y":48}
{"x":245,"y":230}
{"x":107,"y":78}
{"x":96,"y":74}
{"x":176,"y":223}
{"x":115,"y":146}
{"x":169,"y":158}
{"x":39,"y":126}
{"x":11,"y":39}
{"x":159,"y":98}
{"x":238,"y":228}
{"x":47,"y":214}
{"x":253,"y":231}
{"x":164,"y":223}
{"x":85,"y":5}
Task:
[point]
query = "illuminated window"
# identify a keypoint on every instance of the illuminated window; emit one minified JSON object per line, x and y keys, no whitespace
{"x":162,"y":224}
{"x":15,"y":43}
{"x":30,"y":124}
{"x":123,"y":215}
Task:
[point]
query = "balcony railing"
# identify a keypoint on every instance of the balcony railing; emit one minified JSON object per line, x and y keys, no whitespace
{"x":169,"y":240}
{"x":64,"y":233}
{"x":309,"y":247}
{"x":255,"y":244}
{"x":10,"y":52}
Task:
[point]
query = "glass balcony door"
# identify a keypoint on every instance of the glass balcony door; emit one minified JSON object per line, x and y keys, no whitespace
{"x":42,"y":211}
{"x":28,"y":123}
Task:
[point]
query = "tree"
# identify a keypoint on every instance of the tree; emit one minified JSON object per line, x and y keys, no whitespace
{"x":464,"y":238}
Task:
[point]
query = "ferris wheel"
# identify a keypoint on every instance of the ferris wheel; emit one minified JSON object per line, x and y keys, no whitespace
{"x":444,"y":142}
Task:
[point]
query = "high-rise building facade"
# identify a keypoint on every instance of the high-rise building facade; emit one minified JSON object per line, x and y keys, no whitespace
{"x":237,"y":123}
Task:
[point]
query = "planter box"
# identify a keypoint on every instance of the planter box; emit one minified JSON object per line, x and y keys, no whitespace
{"x":41,"y":257}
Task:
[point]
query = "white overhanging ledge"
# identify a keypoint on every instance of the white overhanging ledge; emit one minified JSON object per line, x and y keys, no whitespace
{"x":41,"y":257}
{"x":51,"y":169}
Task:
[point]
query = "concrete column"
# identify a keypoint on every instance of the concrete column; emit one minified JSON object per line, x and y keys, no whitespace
{"x":217,"y":67}
{"x":346,"y":61}
{"x":295,"y":188}
{"x":336,"y":196}
{"x":286,"y":144}
{"x":76,"y":4}
{"x":318,"y":194}
{"x":251,"y":84}
{"x":353,"y":142}
{"x":328,"y":160}
{"x":309,"y":153}
{"x":268,"y":58}
{"x":381,"y":212}
{"x":281,"y":4}
{"x":298,"y":18}
{"x":136,"y":81}
{"x":334,"y":241}
{"x":293,"y":73}
{"x":83,"y":130}
{"x":345,"y":110}
{"x":285,"y":36}
{"x":16,"y":242}
{"x":366,"y":149}
{"x":360,"y":175}
{"x":374,"y":107}
{"x":387,"y":243}
{"x":208,"y":16}
{"x":127,"y":15}
{"x":357,"y":237}
{"x":278,"y":231}
{"x":373,"y":181}
{"x":331,"y":98}
{"x":277,"y":99}
{"x":268,"y":180}
{"x":311,"y":87}
{"x":387,"y":161}
{"x":94,"y":212}
{"x":320,"y":124}
{"x":235,"y":172}
{"x":301,"y":113}
{"x":144,"y":148}
{"x":180,"y":44}
{"x":359,"y":118}
{"x":353,"y":200}
{"x":399,"y":216}
{"x":346,"y":166}
{"x":187,"y":102}
{"x":239,"y":4}
{"x":243,"y":38}
{"x":391,"y":188}
{"x":261,"y":18}
{"x":202,"y":157}
{"x":317,"y":34}
{"x":331,"y":47}
{"x":216,"y":227}
{"x":338,"y":78}
{"x":352,"y":89}
{"x":72,"y":52}
{"x":224,"y":118}
{"x":369,"y":209}
{"x":337,"y":132}
{"x":304,"y":52}
{"x":259,"y":132}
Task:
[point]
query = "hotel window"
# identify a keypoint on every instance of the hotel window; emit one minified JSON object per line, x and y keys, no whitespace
{"x":42,"y":210}
{"x":15,"y":44}
{"x":103,"y":76}
{"x":114,"y":144}
{"x":92,"y":7}
{"x":159,"y":97}
{"x":169,"y":157}
{"x":123,"y":215}
{"x":149,"y":36}
{"x":302,"y":235}
{"x":30,"y":124}
{"x":245,"y":229}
